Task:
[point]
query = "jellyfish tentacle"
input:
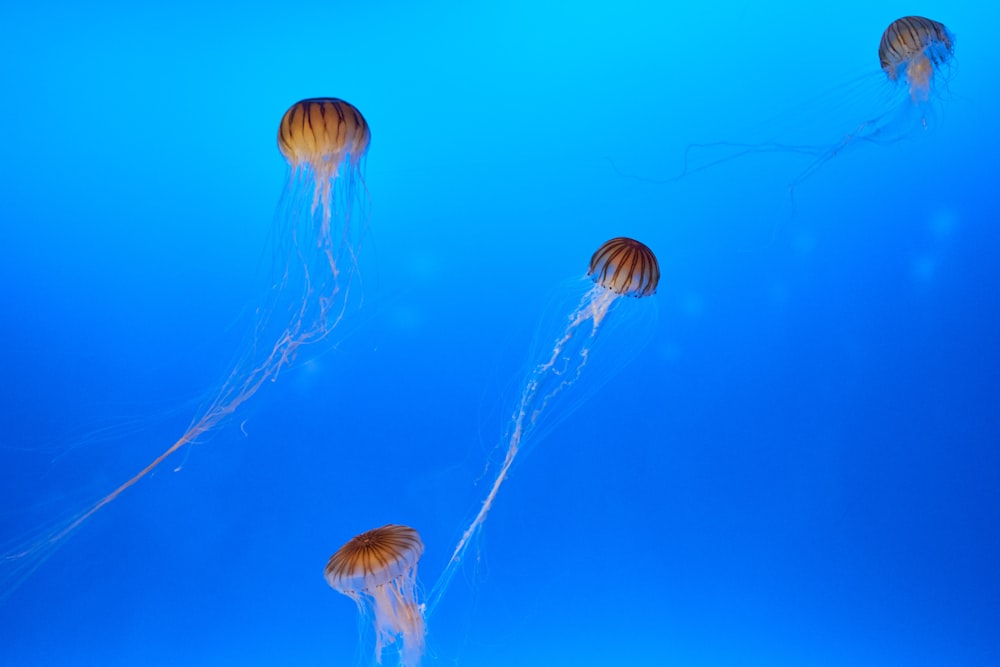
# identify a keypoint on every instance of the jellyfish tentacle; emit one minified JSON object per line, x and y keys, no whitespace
{"x":621,"y":267}
{"x":324,"y":141}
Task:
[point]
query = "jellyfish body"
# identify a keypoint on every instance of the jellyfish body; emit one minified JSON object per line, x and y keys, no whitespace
{"x":323,"y":132}
{"x":378,"y":570}
{"x":626,"y":267}
{"x":324,"y":140}
{"x":621,"y":269}
{"x":323,"y":213}
{"x":912,"y":49}
{"x":318,"y":227}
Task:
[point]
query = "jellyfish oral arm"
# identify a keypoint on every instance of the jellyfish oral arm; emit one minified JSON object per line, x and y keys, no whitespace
{"x":562,"y":368}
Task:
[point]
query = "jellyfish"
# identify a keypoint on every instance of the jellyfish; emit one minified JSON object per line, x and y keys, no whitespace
{"x":621,"y":270}
{"x":880,"y":106}
{"x":319,"y":225}
{"x":378,"y":570}
{"x":915,"y":56}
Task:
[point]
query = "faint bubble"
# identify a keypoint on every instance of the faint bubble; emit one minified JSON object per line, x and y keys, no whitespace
{"x":923,"y":268}
{"x":692,"y":305}
{"x":943,"y":224}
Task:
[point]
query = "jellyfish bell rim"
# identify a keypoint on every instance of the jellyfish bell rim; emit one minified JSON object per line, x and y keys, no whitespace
{"x":349,"y":570}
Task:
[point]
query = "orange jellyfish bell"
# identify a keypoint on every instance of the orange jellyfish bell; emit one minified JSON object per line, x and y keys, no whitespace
{"x":374,"y":558}
{"x":626,"y":267}
{"x":321,"y":132}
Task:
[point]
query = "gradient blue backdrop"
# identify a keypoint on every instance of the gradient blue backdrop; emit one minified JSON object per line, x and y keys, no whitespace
{"x":800,"y":468}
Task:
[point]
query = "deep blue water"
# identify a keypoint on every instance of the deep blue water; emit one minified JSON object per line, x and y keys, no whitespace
{"x":796,"y":463}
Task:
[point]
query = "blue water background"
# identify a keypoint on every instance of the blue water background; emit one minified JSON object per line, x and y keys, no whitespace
{"x":800,"y":466}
